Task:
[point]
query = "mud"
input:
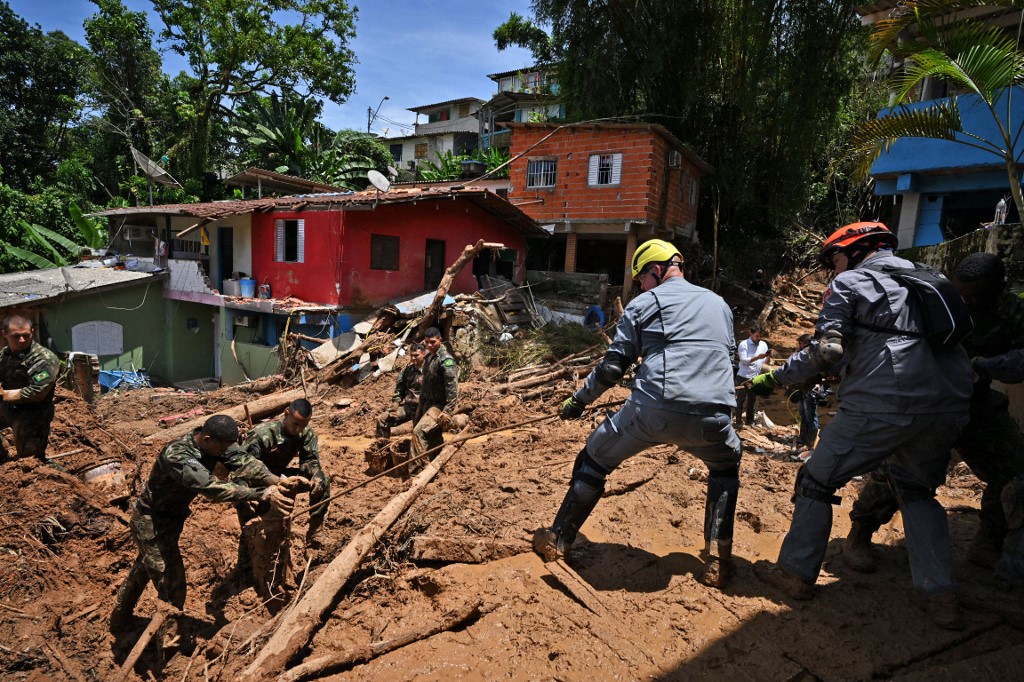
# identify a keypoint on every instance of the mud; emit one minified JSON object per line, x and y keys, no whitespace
{"x":65,"y":548}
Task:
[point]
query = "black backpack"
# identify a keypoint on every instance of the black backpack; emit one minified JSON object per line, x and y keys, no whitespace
{"x":943,"y":311}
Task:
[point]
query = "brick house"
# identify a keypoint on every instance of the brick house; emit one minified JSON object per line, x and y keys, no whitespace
{"x":601,"y":189}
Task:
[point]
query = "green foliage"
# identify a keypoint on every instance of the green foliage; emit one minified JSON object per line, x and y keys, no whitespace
{"x":278,"y":132}
{"x":543,"y":344}
{"x":755,"y":88}
{"x":447,"y":167}
{"x":493,"y":158}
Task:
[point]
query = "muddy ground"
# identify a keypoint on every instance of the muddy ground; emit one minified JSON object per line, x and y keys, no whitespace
{"x":65,"y":548}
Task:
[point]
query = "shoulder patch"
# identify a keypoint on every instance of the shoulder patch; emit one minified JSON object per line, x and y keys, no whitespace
{"x":42,"y":376}
{"x":448,"y":362}
{"x":824,"y":296}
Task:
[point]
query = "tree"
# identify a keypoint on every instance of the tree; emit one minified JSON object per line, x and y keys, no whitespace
{"x":974,"y":57}
{"x":235,"y":49}
{"x":41,"y":78}
{"x":754,"y":88}
{"x":278,"y":133}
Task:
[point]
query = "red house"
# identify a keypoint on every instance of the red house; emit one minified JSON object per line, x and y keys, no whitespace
{"x":603,"y":188}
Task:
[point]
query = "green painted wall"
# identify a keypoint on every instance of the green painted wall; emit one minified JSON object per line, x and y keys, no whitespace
{"x":189,"y":347}
{"x":138,"y":309}
{"x":258,"y":360}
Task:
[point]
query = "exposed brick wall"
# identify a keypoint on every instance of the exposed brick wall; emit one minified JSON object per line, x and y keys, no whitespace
{"x":649,"y":190}
{"x":570,"y":252}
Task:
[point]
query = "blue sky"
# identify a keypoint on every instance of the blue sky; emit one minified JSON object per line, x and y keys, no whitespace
{"x":414,"y":52}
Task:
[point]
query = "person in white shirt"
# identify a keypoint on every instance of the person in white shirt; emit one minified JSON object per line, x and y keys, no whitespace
{"x":752,"y":354}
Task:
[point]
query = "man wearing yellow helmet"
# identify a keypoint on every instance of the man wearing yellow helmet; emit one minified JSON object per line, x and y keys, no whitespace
{"x":682,"y":395}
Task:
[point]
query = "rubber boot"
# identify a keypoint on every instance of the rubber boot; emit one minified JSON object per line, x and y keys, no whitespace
{"x":127,"y":597}
{"x":857,"y":552}
{"x":552,"y":543}
{"x":719,"y":567}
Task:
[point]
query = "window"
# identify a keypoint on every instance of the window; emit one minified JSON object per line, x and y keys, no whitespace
{"x":396,"y":152}
{"x":383,"y":252}
{"x":534,"y":79}
{"x":604,"y":169}
{"x":98,"y":338}
{"x":289,"y":241}
{"x":693,"y":191}
{"x":421,"y":150}
{"x":463,"y":110}
{"x":438,"y":116}
{"x":505,"y":84}
{"x":541,"y":172}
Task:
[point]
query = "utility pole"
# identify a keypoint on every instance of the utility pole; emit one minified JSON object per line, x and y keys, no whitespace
{"x":371,"y":115}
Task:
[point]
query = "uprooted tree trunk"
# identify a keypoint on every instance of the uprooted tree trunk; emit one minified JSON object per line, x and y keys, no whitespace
{"x":434,"y":309}
{"x":297,"y":628}
{"x":256,"y":409}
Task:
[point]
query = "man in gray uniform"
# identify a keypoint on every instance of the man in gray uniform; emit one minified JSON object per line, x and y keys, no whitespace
{"x":903,"y":400}
{"x":683,"y":395}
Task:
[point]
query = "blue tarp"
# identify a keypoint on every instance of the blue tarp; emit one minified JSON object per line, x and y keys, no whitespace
{"x":123,"y":379}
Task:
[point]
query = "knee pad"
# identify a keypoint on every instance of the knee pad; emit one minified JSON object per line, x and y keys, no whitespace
{"x":588,"y":477}
{"x":806,"y":486}
{"x":908,"y":493}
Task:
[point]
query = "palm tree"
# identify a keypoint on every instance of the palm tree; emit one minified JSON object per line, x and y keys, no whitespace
{"x":972,"y":56}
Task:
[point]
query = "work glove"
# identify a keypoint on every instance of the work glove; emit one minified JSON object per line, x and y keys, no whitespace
{"x":279,"y":502}
{"x":318,"y":484}
{"x":571,"y":408}
{"x":764,"y":384}
{"x":12,"y":395}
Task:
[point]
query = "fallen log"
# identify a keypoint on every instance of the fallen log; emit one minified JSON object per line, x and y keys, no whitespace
{"x":302,"y":621}
{"x":154,"y":624}
{"x":257,"y":408}
{"x":534,"y":381}
{"x":326,"y":665}
{"x":434,"y":309}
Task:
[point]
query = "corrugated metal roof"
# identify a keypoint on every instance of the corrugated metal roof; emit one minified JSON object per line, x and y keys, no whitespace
{"x":38,"y":286}
{"x":215,"y":210}
{"x":273,"y":181}
{"x":421,"y":109}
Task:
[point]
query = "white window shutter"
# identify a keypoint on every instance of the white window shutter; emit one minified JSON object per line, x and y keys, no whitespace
{"x":279,"y":240}
{"x":301,"y":238}
{"x":593,"y":169}
{"x":616,"y":168}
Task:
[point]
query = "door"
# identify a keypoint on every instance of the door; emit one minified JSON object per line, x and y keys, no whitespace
{"x":226,"y":255}
{"x":433,"y":264}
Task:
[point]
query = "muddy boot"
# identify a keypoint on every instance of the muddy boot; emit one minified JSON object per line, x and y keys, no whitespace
{"x":719,"y":567}
{"x":127,"y":597}
{"x":857,"y":552}
{"x":784,"y":581}
{"x":552,"y":543}
{"x":942,"y":608}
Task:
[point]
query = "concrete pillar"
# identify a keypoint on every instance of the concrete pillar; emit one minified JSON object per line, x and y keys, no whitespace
{"x":908,"y":219}
{"x":627,"y":278}
{"x":570,"y":252}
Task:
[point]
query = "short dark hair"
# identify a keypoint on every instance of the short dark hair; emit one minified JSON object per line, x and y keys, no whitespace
{"x":19,"y":320}
{"x":221,"y":427}
{"x":301,"y":407}
{"x":756,"y":329}
{"x":982,"y":267}
{"x":804,"y":339}
{"x":417,"y":346}
{"x":431,"y":333}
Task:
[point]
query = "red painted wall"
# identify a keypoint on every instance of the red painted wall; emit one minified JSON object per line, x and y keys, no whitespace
{"x":643,"y":182}
{"x":338,"y":250}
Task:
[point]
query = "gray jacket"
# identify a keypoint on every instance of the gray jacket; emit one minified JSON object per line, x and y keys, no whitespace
{"x":685,"y":335}
{"x":882,"y":372}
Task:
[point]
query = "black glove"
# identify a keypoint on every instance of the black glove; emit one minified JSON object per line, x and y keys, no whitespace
{"x":571,"y":408}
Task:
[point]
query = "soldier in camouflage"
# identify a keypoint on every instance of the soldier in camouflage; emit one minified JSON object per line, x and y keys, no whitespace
{"x":407,"y":392}
{"x":992,"y":443}
{"x":439,"y":391}
{"x":276,"y":444}
{"x":28,"y":375}
{"x":183,"y":470}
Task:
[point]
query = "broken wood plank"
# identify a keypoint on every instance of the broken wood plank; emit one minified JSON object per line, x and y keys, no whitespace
{"x":465,"y":550}
{"x":302,"y":621}
{"x":468,"y":254}
{"x":133,"y":657}
{"x":577,"y":586}
{"x":318,"y":667}
{"x":257,"y":408}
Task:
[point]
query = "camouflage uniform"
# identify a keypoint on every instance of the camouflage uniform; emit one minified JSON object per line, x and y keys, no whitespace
{"x":181,"y":472}
{"x":34,"y":371}
{"x":992,"y":443}
{"x":269,"y":444}
{"x":439,"y":391}
{"x":406,"y":399}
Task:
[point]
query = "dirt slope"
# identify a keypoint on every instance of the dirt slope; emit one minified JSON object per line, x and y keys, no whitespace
{"x":64,"y":551}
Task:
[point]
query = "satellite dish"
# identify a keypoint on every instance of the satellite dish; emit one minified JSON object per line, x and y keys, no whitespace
{"x":152,"y":170}
{"x":392,"y":171}
{"x":378,"y":180}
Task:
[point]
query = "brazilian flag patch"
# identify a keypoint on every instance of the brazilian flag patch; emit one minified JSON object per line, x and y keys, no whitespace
{"x":41,"y":377}
{"x":448,"y":363}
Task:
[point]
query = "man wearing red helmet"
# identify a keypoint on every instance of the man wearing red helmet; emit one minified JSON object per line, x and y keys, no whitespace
{"x":904,"y":400}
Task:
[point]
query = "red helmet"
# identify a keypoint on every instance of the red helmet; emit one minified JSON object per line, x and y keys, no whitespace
{"x":861,"y":235}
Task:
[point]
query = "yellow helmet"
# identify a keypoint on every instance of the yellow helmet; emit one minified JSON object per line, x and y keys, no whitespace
{"x":653,"y":251}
